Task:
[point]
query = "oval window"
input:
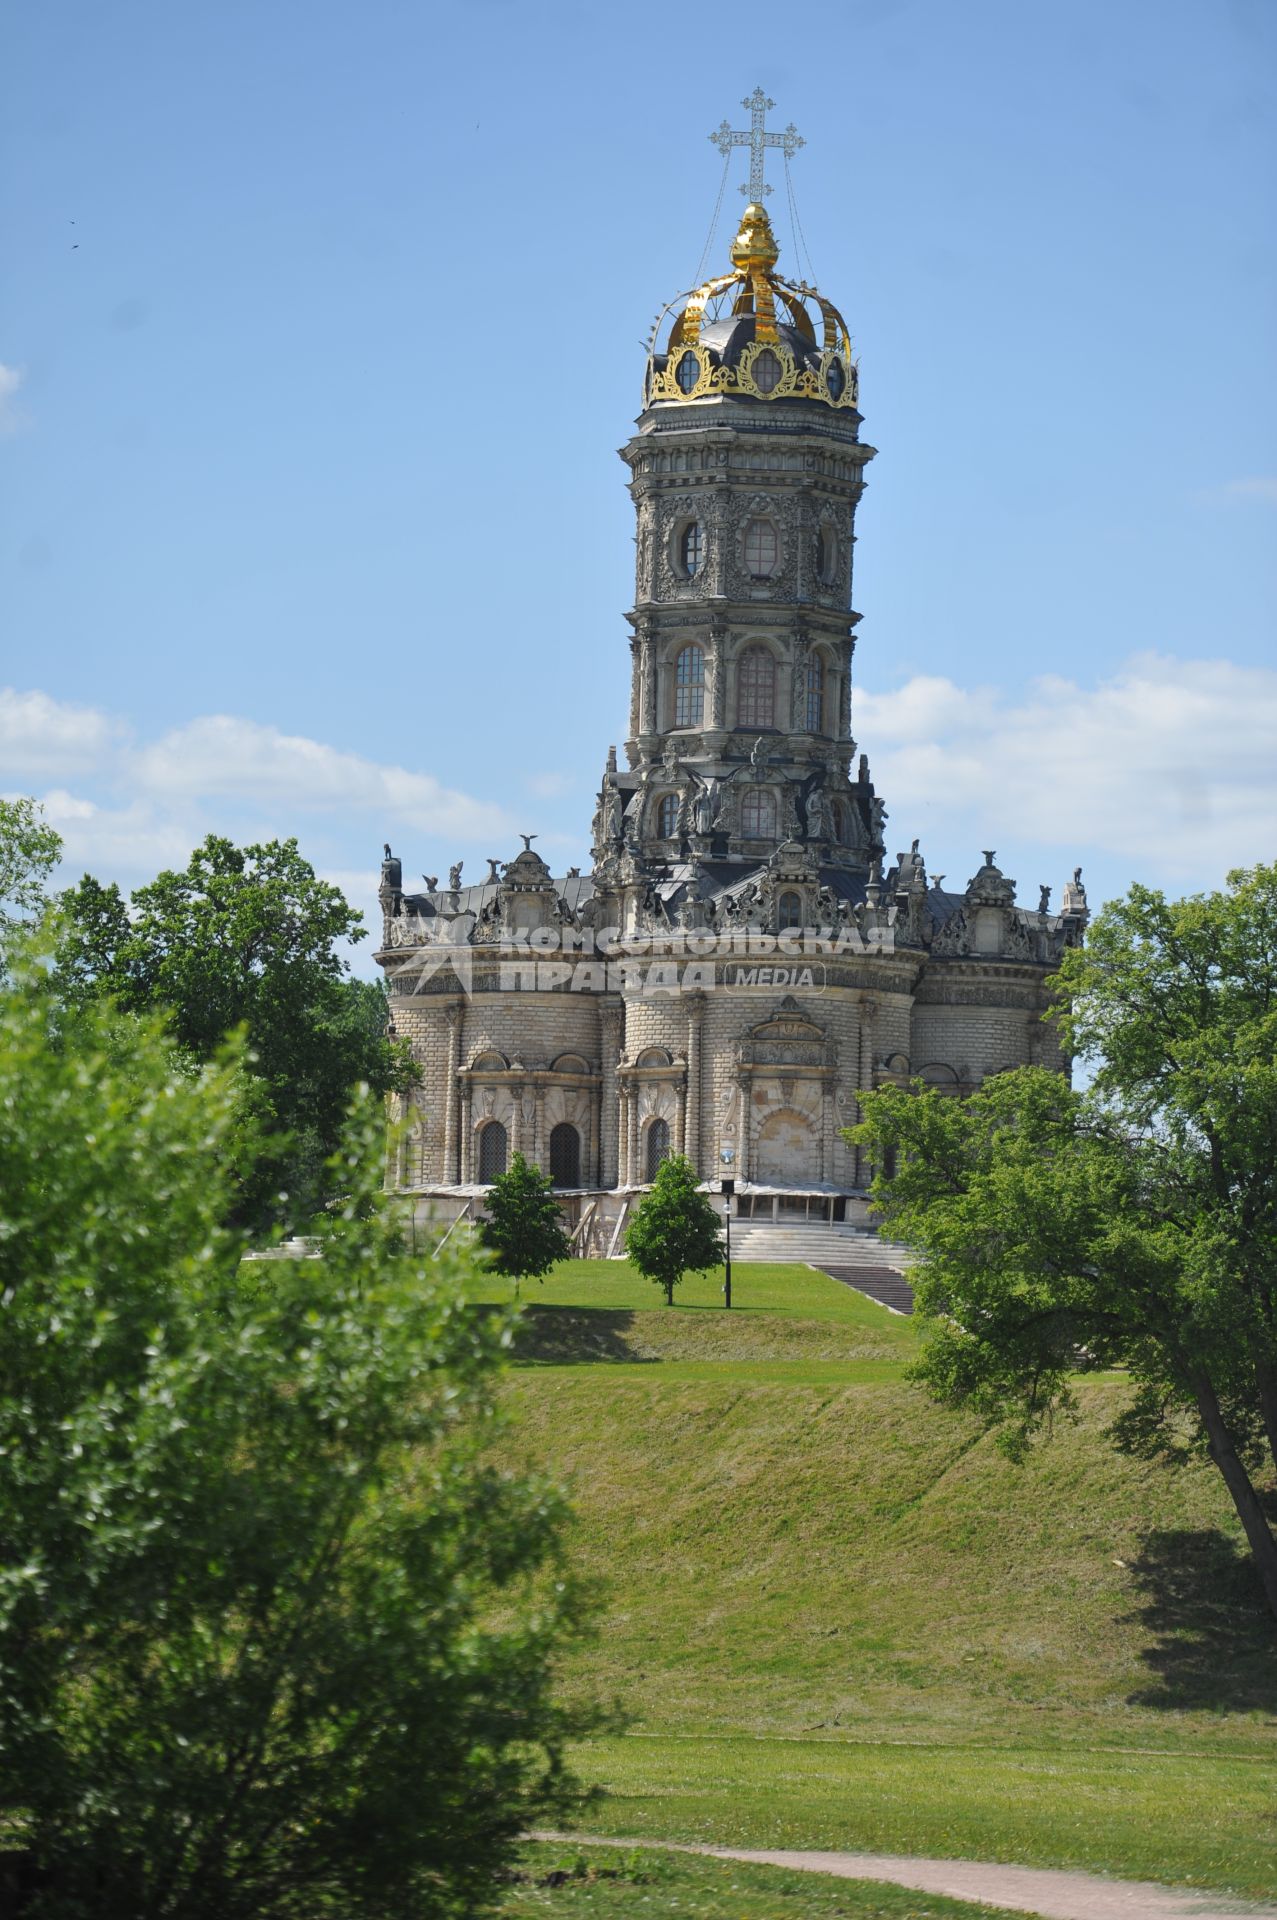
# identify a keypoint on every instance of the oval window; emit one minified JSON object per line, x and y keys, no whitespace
{"x":766,"y":371}
{"x":688,"y":371}
{"x":692,"y":549}
{"x":836,"y":380}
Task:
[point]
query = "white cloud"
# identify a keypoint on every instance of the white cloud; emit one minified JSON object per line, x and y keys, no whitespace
{"x":1261,"y":487}
{"x":42,"y":738}
{"x":10,"y":380}
{"x":1168,"y":761}
{"x":223,"y":756}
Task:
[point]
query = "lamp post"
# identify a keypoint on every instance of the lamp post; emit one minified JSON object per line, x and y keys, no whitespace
{"x":728,"y":1155}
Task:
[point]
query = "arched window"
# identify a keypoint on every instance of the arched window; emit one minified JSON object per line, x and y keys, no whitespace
{"x":493,"y":1148}
{"x":691,"y":549}
{"x":789,"y":910}
{"x":762,"y":549}
{"x":815,"y":693}
{"x":836,"y":380}
{"x":756,"y":689}
{"x":758,"y":815}
{"x":667,"y":816}
{"x":689,"y":687}
{"x":657,"y":1147}
{"x":688,"y":371}
{"x":766,"y":371}
{"x":565,"y":1155}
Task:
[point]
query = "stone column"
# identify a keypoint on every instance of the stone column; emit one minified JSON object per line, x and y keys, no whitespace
{"x":633,"y":1169}
{"x":467,"y":1135}
{"x":636,"y":685}
{"x":680,"y":1119}
{"x":540,"y":1152}
{"x":455,"y":1017}
{"x":648,"y":722}
{"x":516,"y":1121}
{"x":718,"y":678}
{"x":798,"y":681}
{"x":611,"y":1018}
{"x":844,"y":691}
{"x":746,"y":1126}
{"x":828,"y":1138}
{"x":692,"y":1094}
{"x":865,"y":1073}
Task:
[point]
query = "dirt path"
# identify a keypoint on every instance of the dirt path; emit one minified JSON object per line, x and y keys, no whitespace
{"x":1055,"y":1894}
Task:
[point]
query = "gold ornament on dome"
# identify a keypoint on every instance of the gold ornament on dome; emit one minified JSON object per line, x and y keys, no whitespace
{"x":759,"y":292}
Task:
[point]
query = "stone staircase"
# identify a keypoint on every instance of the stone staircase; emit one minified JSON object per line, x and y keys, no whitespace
{"x":815,"y":1243}
{"x":854,"y":1255}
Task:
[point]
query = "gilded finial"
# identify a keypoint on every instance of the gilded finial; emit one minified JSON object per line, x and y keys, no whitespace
{"x":755,"y":244}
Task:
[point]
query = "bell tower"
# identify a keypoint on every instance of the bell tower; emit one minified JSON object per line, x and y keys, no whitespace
{"x":746,"y":469}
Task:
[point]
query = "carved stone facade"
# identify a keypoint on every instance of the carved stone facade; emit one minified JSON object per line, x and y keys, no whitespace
{"x":741,"y":962}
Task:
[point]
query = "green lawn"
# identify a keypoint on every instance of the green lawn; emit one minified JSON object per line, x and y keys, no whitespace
{"x":605,"y":1880}
{"x":839,"y":1617}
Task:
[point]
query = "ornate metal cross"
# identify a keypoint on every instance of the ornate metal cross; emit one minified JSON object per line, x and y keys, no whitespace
{"x":757,"y":141}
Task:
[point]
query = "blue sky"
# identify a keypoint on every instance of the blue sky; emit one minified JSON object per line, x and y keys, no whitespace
{"x":320,"y":329}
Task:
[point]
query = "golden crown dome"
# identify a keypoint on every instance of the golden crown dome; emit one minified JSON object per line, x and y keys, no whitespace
{"x":749,"y":333}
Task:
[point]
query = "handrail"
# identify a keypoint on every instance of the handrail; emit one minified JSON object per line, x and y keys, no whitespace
{"x":464,"y":1214}
{"x":620,"y":1222}
{"x":579,"y":1229}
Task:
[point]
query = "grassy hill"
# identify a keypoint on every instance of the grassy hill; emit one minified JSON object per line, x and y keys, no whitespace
{"x":839,"y":1617}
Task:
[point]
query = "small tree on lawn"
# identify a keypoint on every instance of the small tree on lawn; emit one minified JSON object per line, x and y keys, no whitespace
{"x":676,"y":1229}
{"x":524,"y":1229}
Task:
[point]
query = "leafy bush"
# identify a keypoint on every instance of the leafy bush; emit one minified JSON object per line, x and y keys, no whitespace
{"x":276,"y":1635}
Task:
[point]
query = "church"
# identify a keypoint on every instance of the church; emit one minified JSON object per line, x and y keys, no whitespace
{"x":744,"y":957}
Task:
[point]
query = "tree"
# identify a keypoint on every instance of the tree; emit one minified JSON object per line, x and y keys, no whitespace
{"x":277,"y":1633}
{"x":1134,"y":1225}
{"x":524,"y":1228}
{"x":29,"y":851}
{"x":675,"y":1229}
{"x":247,"y":937}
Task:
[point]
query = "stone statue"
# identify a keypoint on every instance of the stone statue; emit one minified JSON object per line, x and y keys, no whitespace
{"x":1044,"y":899}
{"x":527,"y":839}
{"x":386,"y":853}
{"x":705,"y":806}
{"x":431,"y":880}
{"x":454,"y":877}
{"x":574,"y":873}
{"x":494,"y":871}
{"x":878,"y":813}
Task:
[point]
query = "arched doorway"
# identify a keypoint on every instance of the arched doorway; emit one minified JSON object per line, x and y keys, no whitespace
{"x":493,"y":1151}
{"x":565,"y":1155}
{"x":785,"y":1150}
